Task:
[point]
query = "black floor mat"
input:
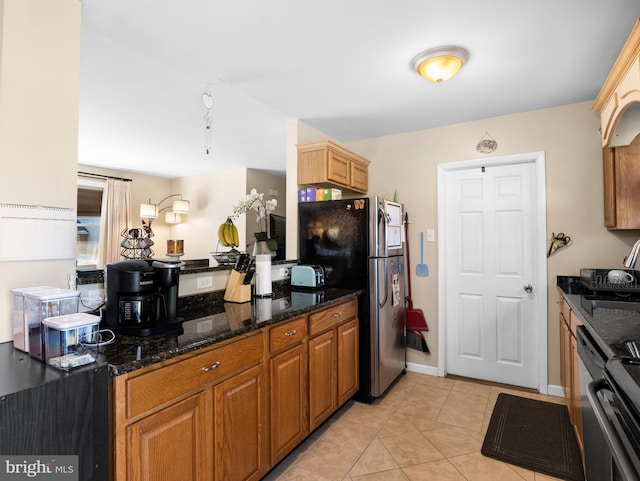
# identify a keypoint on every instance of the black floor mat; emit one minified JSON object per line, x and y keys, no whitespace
{"x":535,"y":435}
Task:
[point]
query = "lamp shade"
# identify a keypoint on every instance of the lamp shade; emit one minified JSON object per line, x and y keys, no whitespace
{"x":441,"y":63}
{"x":149,"y":211}
{"x":171,"y":218}
{"x":181,"y":206}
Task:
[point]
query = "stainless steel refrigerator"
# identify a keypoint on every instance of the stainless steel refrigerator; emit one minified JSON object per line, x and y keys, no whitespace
{"x":359,"y":243}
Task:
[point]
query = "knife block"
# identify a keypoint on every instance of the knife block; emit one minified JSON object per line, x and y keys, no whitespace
{"x":237,"y":291}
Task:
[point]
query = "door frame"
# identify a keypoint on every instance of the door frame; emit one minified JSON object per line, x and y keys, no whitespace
{"x":540,"y":260}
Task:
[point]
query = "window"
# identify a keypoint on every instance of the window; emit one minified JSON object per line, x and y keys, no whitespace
{"x":88,"y":222}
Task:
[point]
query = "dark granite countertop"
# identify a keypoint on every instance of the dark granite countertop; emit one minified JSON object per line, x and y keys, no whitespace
{"x":209,"y":320}
{"x":611,"y":321}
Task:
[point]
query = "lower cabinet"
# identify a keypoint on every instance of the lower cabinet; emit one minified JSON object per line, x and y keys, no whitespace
{"x":233,"y":411}
{"x":569,"y":368}
{"x":289,"y":413}
{"x":333,"y":360}
{"x":178,"y":432}
{"x":240,"y":448}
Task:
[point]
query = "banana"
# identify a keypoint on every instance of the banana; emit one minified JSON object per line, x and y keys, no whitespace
{"x":221,"y":236}
{"x":236,"y":239}
{"x":227,"y":234}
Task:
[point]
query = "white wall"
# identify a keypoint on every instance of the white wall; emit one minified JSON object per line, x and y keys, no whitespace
{"x":39,"y":92}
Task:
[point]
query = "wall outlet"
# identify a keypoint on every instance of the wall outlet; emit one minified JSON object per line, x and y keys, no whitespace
{"x":431,"y":235}
{"x":204,"y":282}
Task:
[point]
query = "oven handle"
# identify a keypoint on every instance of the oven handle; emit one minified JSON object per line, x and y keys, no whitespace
{"x":610,"y":433}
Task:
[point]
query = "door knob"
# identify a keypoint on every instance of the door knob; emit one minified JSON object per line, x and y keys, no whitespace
{"x":528,"y":288}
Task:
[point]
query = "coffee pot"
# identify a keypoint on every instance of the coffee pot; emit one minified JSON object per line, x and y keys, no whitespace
{"x":142,"y":296}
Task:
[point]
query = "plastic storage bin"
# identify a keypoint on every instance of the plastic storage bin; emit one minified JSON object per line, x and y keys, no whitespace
{"x":19,"y":315}
{"x":44,"y":304}
{"x":69,"y":341}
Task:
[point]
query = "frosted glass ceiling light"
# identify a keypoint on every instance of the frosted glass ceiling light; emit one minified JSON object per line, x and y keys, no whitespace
{"x":440,"y":64}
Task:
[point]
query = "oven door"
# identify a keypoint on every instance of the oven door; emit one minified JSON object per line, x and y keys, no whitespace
{"x":615,"y":419}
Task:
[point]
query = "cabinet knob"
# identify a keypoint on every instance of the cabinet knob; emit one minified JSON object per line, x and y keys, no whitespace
{"x":337,"y":314}
{"x":292,"y":333}
{"x":212,"y":367}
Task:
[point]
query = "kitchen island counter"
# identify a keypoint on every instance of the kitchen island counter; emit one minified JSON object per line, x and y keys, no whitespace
{"x":209,"y":320}
{"x":610,"y":327}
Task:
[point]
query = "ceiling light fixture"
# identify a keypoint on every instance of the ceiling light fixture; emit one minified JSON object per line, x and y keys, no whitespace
{"x":440,"y":64}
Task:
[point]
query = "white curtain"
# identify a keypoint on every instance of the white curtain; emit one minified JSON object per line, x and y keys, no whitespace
{"x":115,"y":217}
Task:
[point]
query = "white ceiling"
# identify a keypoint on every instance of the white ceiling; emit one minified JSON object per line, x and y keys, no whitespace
{"x":342,"y":66}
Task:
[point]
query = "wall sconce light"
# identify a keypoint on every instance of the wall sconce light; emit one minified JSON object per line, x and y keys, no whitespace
{"x":179,"y":206}
{"x":440,"y":64}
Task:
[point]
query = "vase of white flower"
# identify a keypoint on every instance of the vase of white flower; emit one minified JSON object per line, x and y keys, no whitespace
{"x":255,"y":201}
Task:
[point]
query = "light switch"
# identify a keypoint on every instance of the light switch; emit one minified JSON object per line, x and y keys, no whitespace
{"x":431,"y":235}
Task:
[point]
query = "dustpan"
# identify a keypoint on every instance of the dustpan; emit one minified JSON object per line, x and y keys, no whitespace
{"x":422,"y":269}
{"x":414,"y":317}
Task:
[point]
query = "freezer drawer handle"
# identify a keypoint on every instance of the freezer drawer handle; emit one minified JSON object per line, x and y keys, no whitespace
{"x":292,"y":333}
{"x":212,"y":367}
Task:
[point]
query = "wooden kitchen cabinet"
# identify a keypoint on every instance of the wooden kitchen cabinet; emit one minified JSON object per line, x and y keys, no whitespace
{"x":348,"y":380}
{"x":232,"y":411}
{"x":621,"y":174}
{"x":621,"y":88}
{"x":327,"y":164}
{"x":240,"y":448}
{"x":289,"y":412}
{"x":178,"y":433}
{"x":569,"y":370}
{"x":198,"y":416}
{"x":333,"y":363}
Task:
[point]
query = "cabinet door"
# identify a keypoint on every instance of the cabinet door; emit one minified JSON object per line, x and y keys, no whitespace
{"x":170,"y":444}
{"x":240,"y":446}
{"x":289,"y":406}
{"x":338,"y":169}
{"x":609,"y":177}
{"x":359,"y":177}
{"x":347,"y":361}
{"x":575,"y":408}
{"x":323,"y":383}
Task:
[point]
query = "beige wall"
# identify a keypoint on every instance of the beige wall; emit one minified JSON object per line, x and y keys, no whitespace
{"x":39,"y":90}
{"x":570,"y":139}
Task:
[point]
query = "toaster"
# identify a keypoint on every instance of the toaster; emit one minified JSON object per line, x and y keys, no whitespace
{"x":307,"y":276}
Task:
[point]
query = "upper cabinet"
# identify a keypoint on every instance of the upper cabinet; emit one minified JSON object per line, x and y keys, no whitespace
{"x":621,"y":89}
{"x":326,"y":164}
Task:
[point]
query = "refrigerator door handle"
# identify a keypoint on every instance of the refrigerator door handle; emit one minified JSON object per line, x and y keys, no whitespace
{"x":386,"y":285}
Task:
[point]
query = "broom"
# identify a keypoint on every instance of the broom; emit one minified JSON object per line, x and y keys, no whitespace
{"x":415,"y":319}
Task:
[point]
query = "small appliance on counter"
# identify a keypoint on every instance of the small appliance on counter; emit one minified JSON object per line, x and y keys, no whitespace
{"x":142,"y":296}
{"x":307,"y":276}
{"x":42,"y":304}
{"x":70,"y":341}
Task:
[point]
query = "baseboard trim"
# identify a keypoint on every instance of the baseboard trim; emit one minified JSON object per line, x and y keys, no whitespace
{"x":422,"y":369}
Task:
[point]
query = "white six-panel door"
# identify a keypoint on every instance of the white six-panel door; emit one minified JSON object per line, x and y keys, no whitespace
{"x":490,"y":267}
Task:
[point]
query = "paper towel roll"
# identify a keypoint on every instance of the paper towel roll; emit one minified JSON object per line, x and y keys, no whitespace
{"x":263,"y":275}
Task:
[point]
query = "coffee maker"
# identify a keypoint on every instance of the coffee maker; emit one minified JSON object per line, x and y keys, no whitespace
{"x":142,"y":296}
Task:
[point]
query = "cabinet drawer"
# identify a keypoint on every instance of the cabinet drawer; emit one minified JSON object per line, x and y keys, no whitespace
{"x":575,"y":322}
{"x":287,"y":334}
{"x":331,"y":317}
{"x":152,"y":389}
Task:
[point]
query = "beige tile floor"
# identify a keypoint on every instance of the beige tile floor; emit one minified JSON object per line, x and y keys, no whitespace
{"x":424,"y":428}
